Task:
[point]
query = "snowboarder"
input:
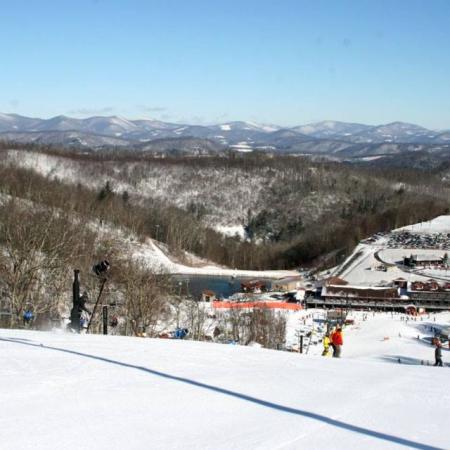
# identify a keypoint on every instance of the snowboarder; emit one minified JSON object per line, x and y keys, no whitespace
{"x":338,"y":341}
{"x":438,"y":354}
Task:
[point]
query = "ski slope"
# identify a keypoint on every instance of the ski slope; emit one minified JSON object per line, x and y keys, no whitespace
{"x":440,"y":224}
{"x":67,"y":391}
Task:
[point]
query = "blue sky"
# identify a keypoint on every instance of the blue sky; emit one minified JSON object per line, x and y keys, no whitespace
{"x":201,"y":61}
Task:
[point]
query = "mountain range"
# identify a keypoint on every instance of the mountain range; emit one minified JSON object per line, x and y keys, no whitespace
{"x":341,"y":139}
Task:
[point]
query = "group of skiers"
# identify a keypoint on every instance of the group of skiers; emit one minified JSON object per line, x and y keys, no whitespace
{"x":335,"y":340}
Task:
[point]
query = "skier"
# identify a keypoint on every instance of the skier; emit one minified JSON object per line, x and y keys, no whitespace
{"x":28,"y":316}
{"x":326,"y":345}
{"x":333,"y":330}
{"x":180,"y":333}
{"x":338,"y":341}
{"x":438,"y":354}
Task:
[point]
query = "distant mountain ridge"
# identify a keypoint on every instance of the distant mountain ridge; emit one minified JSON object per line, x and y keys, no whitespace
{"x":340,"y":139}
{"x":330,"y":128}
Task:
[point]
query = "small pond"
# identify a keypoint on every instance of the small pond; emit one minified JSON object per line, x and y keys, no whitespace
{"x":222,"y":286}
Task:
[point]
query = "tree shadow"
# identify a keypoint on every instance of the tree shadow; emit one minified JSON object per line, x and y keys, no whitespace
{"x":22,"y":340}
{"x":426,"y":326}
{"x":400,"y":359}
{"x":286,"y":409}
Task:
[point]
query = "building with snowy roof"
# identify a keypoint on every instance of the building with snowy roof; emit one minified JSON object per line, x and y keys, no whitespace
{"x":357,"y":297}
{"x":287,"y":284}
{"x":423,"y":260}
{"x":429,"y":295}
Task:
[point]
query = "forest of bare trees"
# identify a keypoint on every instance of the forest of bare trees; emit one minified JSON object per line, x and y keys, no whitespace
{"x":304,"y":213}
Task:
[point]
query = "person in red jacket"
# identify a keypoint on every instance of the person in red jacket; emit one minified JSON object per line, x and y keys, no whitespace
{"x":338,"y":341}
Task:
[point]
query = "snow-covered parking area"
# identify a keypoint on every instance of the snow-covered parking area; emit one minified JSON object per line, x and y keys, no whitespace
{"x":375,"y":261}
{"x":370,"y":265}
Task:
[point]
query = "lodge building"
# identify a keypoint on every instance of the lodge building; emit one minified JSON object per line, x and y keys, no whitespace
{"x":337,"y":293}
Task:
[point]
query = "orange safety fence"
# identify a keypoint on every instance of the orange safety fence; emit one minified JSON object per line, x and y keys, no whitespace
{"x":247,"y":305}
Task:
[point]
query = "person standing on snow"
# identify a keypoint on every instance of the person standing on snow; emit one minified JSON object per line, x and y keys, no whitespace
{"x":338,"y":341}
{"x":326,"y":345}
{"x":333,"y":330}
{"x":438,"y":354}
{"x":27,"y":317}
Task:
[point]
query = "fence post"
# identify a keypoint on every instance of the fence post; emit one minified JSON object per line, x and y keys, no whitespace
{"x":105,"y":319}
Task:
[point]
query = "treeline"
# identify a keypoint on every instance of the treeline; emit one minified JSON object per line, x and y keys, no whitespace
{"x":39,"y":248}
{"x":307,"y":211}
{"x":336,"y":234}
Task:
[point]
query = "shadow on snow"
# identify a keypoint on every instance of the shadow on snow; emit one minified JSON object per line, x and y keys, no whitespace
{"x":248,"y":398}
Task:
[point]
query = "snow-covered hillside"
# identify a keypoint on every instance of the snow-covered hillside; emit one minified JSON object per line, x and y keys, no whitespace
{"x":71,"y":391}
{"x":226,"y":194}
{"x":150,"y":255}
{"x":439,"y":224}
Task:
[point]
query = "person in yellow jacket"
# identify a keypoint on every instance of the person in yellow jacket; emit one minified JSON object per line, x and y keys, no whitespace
{"x":326,"y":345}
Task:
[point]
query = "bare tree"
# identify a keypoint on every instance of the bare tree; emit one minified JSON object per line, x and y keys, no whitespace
{"x":145,"y":297}
{"x":197,"y":316}
{"x":260,"y":325}
{"x":267,"y":328}
{"x":35,"y":248}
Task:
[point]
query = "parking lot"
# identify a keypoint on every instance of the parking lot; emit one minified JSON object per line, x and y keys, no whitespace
{"x":406,"y":239}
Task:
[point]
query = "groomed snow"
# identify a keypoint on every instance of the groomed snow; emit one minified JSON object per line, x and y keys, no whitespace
{"x":440,"y":224}
{"x":151,"y":255}
{"x":231,"y":230}
{"x":70,"y":391}
{"x":242,"y":147}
